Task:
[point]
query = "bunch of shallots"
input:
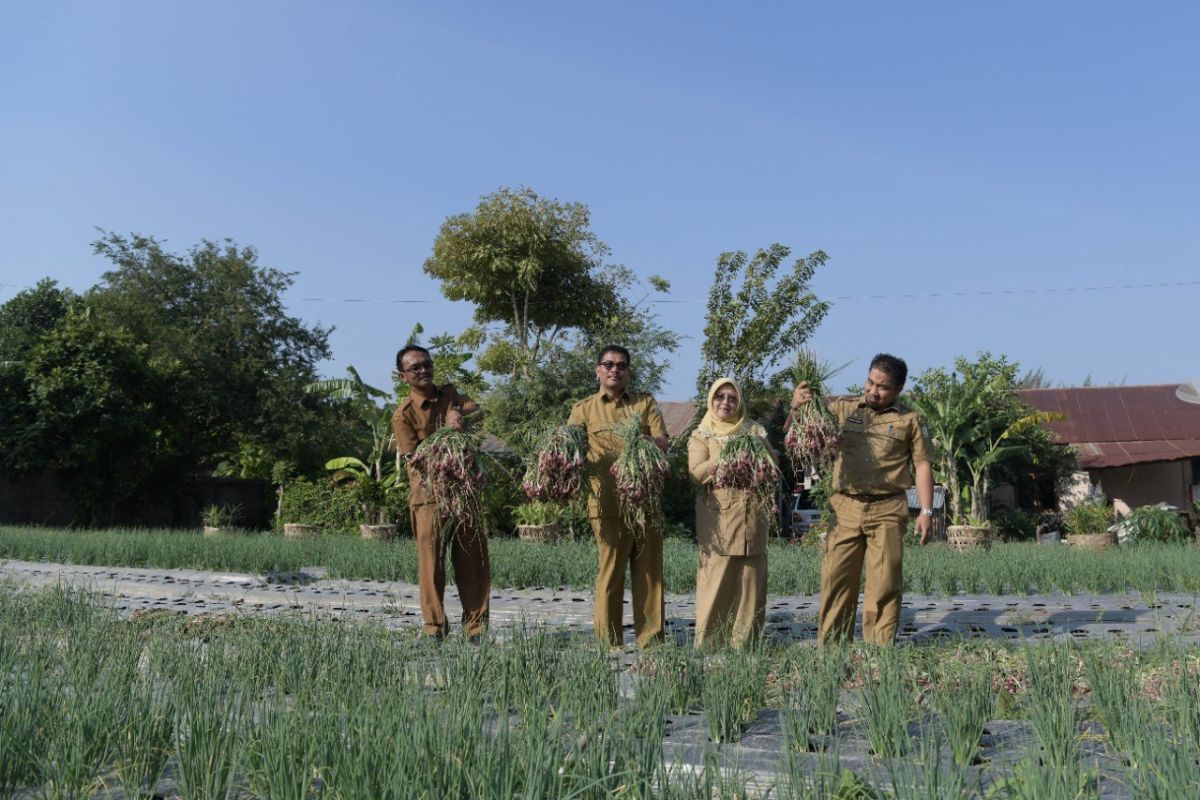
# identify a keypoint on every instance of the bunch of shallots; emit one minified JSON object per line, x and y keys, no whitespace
{"x":813,"y":436}
{"x":641,"y":471}
{"x":746,"y":464}
{"x":557,"y":473}
{"x":450,"y":466}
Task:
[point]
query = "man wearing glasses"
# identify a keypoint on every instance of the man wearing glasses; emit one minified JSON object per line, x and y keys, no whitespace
{"x":427,"y":408}
{"x":600,"y":414}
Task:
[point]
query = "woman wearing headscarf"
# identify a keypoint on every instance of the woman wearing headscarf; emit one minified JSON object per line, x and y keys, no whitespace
{"x":731,"y":584}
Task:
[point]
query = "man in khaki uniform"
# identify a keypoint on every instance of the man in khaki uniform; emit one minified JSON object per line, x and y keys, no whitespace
{"x":427,"y":408}
{"x":600,"y":414}
{"x":872,"y":473}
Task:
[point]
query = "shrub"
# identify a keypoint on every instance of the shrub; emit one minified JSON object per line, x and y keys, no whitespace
{"x":1016,"y":525}
{"x":1092,"y":516}
{"x":320,"y":503}
{"x":1159,"y":523}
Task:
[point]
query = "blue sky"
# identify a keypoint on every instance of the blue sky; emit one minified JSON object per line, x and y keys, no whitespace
{"x":961,"y":163}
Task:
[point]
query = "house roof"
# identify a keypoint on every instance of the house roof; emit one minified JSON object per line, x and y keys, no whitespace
{"x":1113,"y":426}
{"x":677,"y":415}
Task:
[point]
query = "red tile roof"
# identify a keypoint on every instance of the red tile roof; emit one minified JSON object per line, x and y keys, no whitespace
{"x":1112,"y":426}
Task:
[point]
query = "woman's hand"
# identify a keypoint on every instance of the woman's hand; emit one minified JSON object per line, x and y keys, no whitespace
{"x":801,"y":395}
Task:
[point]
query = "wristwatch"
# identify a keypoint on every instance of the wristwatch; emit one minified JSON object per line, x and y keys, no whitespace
{"x":926,"y":512}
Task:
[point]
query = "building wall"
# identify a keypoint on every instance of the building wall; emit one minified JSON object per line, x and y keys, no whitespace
{"x":1147,"y":484}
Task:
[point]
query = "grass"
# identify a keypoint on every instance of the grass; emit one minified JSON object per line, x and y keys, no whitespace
{"x":1006,"y":569}
{"x":246,"y":706}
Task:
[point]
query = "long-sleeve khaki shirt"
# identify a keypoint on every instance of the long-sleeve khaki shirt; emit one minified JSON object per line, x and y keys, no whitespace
{"x":727,"y":522}
{"x":415,"y":421}
{"x":601,"y":416}
{"x":878,"y":447}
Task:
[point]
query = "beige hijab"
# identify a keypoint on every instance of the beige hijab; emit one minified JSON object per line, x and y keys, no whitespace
{"x":713,"y":426}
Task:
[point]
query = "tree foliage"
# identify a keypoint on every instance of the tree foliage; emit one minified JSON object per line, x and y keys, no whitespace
{"x":754,"y":321}
{"x":215,"y":318}
{"x":520,"y":407}
{"x":529,"y":264}
{"x":172,"y":367}
{"x":983,"y":432}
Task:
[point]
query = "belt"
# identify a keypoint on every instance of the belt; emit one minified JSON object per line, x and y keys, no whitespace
{"x":870,"y":498}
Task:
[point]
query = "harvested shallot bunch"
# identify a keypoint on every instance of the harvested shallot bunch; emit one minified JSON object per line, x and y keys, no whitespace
{"x":641,"y":471}
{"x":746,"y":464}
{"x":450,"y":466}
{"x":814,"y":435}
{"x":556,"y":474}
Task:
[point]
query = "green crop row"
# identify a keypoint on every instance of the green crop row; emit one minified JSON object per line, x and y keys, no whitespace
{"x":1005,"y":569}
{"x":277,"y":707}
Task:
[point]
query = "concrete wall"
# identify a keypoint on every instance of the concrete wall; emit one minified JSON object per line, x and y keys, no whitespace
{"x":1137,"y":485}
{"x":1147,"y":484}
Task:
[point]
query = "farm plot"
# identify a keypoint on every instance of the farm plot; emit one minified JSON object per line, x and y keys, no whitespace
{"x":273,"y":706}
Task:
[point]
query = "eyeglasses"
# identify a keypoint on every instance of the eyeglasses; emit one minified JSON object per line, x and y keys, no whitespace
{"x":619,"y":366}
{"x":423,"y":366}
{"x":732,"y":399}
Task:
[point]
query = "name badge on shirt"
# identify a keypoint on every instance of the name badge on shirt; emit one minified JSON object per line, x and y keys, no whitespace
{"x":854,"y":421}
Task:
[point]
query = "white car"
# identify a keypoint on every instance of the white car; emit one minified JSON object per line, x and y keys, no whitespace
{"x":803,"y":519}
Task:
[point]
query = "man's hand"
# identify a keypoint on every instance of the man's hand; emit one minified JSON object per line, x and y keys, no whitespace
{"x":923,"y":526}
{"x":801,"y":395}
{"x":454,"y":419}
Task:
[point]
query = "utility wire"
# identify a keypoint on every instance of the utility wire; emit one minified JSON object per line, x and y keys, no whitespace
{"x":907,"y":295}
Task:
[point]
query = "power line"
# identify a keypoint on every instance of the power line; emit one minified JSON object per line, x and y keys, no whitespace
{"x":845,"y":297}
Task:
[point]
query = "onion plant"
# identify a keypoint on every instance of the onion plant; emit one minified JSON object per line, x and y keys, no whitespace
{"x":887,"y":699}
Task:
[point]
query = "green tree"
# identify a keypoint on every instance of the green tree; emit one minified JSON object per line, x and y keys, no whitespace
{"x":755,"y":321}
{"x":215,"y":319}
{"x":981,"y":429}
{"x":26,"y":319}
{"x":102,"y":415}
{"x":518,"y":408}
{"x":529,"y":264}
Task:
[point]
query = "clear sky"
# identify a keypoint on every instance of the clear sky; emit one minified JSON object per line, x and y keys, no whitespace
{"x":961,"y":163}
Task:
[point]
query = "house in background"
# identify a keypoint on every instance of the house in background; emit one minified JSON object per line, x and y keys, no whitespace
{"x":1139,"y":444}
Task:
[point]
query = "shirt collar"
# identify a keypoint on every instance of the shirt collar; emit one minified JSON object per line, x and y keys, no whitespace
{"x":604,"y":397}
{"x":425,"y":402}
{"x":893,"y":407}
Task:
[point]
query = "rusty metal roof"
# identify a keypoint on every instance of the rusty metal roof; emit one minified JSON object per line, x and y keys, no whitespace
{"x":1113,"y":426}
{"x":677,"y":415}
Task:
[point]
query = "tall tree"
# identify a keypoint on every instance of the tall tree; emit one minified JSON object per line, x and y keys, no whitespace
{"x":755,"y":321}
{"x":215,"y":317}
{"x":531,"y":265}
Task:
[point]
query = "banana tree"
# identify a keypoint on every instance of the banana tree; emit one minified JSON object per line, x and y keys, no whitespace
{"x":374,"y":407}
{"x":974,"y":420}
{"x":371,"y":490}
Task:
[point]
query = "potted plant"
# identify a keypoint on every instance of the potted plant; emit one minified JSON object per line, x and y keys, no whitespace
{"x":220,"y":519}
{"x":974,"y":423}
{"x":1049,"y":527}
{"x":538,"y":521}
{"x":371,"y":491}
{"x":1090,"y":524}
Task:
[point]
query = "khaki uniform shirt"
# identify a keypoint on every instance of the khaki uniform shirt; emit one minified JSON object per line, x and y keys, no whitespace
{"x":727,"y":522}
{"x":414,"y":421}
{"x":601,"y":416}
{"x":878,"y":447}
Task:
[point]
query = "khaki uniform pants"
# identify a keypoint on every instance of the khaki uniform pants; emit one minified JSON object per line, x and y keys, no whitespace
{"x":874,"y":533}
{"x":731,"y":599}
{"x":643,"y":553}
{"x":472,"y":573}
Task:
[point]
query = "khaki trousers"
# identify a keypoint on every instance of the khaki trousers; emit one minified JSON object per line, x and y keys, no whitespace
{"x":472,"y":572}
{"x":863,"y":532}
{"x":731,"y":599}
{"x":618,"y":546}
